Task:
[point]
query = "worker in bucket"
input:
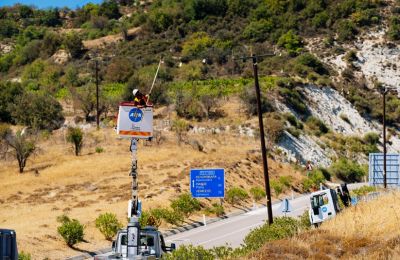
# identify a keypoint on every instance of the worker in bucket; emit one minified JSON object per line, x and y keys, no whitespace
{"x":139,"y":99}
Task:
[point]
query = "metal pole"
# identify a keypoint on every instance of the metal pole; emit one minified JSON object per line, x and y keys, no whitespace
{"x":97,"y":96}
{"x":384,"y":139}
{"x":262,"y":138}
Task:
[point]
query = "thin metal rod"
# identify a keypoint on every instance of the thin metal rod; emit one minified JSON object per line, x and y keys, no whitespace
{"x":155,"y":76}
{"x":97,"y":96}
{"x":262,"y":139}
{"x":384,"y":139}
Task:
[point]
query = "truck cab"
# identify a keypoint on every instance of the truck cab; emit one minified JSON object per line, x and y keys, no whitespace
{"x":152,"y":245}
{"x":324,"y":205}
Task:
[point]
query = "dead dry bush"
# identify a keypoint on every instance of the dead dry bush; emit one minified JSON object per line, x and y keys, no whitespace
{"x":281,"y":249}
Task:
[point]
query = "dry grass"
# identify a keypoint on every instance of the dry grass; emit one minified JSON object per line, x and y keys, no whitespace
{"x":93,"y":183}
{"x":369,"y":230}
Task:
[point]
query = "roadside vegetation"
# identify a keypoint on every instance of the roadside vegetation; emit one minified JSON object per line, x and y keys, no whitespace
{"x":283,"y":227}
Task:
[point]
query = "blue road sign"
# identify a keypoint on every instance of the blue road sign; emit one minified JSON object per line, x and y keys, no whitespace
{"x":207,"y":183}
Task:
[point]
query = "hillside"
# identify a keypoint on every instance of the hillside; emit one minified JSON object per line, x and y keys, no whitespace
{"x":361,"y":232}
{"x":321,"y":99}
{"x":56,"y":182}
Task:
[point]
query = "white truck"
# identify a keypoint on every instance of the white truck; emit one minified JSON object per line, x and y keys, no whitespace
{"x":152,"y":245}
{"x":324,"y":204}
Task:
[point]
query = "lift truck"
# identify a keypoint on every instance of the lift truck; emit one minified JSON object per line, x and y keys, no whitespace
{"x":135,"y":120}
{"x":324,"y":204}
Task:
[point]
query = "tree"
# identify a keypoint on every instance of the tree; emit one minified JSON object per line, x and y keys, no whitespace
{"x":85,"y":99}
{"x":203,"y":8}
{"x":50,"y":43}
{"x":8,"y":28}
{"x":50,"y":17}
{"x":9,"y":93}
{"x":291,"y":42}
{"x":75,"y":136}
{"x":258,"y":30}
{"x":23,"y":147}
{"x":160,"y":21}
{"x":5,"y":132}
{"x":109,"y":8}
{"x":73,"y":43}
{"x":38,"y":110}
{"x":119,"y":70}
{"x":240,"y":7}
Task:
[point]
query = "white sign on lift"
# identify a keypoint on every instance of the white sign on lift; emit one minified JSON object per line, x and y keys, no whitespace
{"x":135,"y":122}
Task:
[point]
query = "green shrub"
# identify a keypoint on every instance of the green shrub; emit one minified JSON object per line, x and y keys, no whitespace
{"x":295,"y":99}
{"x":364,"y":190}
{"x":108,"y":225}
{"x":371,"y":138}
{"x":313,"y":180}
{"x":257,"y":193}
{"x":99,"y":149}
{"x":71,"y":230}
{"x":293,"y":121}
{"x":190,"y":252}
{"x":215,"y":209}
{"x":291,"y":42}
{"x":75,"y":136}
{"x":258,"y":30}
{"x":348,"y":170}
{"x":346,"y":30}
{"x":173,"y":217}
{"x":185,"y":204}
{"x":394,"y":28}
{"x":276,"y":186}
{"x":24,"y":256}
{"x":248,"y":97}
{"x":236,"y":195}
{"x":312,"y":62}
{"x":304,"y":220}
{"x":316,"y":126}
{"x":282,"y":227}
{"x":73,"y":43}
{"x":294,"y":131}
{"x":286,"y":181}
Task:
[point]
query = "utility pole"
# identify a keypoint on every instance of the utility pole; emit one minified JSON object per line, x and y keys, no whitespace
{"x":262,"y":134}
{"x":384,"y":138}
{"x":262,"y":139}
{"x":97,"y":95}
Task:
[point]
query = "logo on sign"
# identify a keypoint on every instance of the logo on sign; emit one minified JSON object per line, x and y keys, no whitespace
{"x":135,"y":115}
{"x":324,"y":209}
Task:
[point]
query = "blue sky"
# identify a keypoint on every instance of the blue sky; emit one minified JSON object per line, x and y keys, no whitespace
{"x":50,"y":3}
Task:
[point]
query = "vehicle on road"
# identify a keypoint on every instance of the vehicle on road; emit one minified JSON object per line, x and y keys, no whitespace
{"x":8,"y":244}
{"x":324,"y":205}
{"x":152,"y":245}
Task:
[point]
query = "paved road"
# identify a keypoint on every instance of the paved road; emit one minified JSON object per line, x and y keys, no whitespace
{"x":233,"y":230}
